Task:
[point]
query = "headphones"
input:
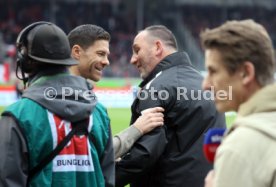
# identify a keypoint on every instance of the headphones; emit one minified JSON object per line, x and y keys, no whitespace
{"x":22,"y":45}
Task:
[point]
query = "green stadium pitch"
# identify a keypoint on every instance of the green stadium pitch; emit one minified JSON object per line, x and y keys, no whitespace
{"x":117,"y":82}
{"x":1,"y":109}
{"x":119,"y":118}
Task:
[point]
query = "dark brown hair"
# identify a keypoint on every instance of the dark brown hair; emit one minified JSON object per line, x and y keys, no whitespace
{"x":86,"y":35}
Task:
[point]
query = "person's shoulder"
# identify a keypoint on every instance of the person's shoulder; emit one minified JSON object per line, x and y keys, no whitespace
{"x":164,"y":79}
{"x":22,"y":104}
{"x":242,"y":140}
{"x":101,"y":121}
{"x":181,"y":75}
{"x":100,"y":107}
{"x":100,"y":113}
{"x":246,"y":147}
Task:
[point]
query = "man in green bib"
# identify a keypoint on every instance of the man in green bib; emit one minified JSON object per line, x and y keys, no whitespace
{"x":57,"y":135}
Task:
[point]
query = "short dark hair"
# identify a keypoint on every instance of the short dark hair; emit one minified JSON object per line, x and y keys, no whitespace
{"x":86,"y":35}
{"x":240,"y":41}
{"x":163,"y":33}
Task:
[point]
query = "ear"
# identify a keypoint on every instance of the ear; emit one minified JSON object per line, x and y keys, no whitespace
{"x":76,"y":52}
{"x":247,"y":73}
{"x":159,"y":48}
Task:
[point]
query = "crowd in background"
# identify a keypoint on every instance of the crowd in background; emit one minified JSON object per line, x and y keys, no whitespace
{"x":119,"y":21}
{"x":198,"y":18}
{"x":68,"y":16}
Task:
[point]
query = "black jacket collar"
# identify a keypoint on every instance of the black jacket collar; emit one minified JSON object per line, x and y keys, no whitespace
{"x":174,"y":59}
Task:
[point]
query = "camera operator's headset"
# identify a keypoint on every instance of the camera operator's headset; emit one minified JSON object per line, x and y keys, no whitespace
{"x":22,"y":44}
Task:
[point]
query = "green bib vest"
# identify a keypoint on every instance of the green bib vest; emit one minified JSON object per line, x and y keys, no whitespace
{"x":78,"y":164}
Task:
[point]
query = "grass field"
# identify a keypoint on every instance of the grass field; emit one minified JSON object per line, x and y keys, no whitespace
{"x":117,"y":82}
{"x":120,"y":118}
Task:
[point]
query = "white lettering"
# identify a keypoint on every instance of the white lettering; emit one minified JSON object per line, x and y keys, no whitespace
{"x":182,"y":91}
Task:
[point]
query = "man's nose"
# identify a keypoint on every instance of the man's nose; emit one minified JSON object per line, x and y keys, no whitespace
{"x":105,"y":62}
{"x":133,"y":59}
{"x":206,"y":85}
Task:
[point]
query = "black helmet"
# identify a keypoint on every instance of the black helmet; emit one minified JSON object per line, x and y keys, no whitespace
{"x":44,"y":42}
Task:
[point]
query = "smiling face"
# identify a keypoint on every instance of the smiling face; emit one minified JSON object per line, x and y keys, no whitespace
{"x":144,"y":54}
{"x":92,"y":61}
{"x":222,"y":82}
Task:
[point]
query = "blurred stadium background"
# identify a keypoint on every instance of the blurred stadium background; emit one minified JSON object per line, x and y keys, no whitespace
{"x":123,"y":18}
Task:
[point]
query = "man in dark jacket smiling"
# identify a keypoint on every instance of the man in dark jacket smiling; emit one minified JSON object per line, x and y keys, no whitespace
{"x":170,"y":155}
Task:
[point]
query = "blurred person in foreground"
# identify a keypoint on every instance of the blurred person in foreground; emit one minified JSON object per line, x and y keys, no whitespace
{"x":90,"y":47}
{"x":34,"y":128}
{"x":170,"y":155}
{"x":239,"y":54}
